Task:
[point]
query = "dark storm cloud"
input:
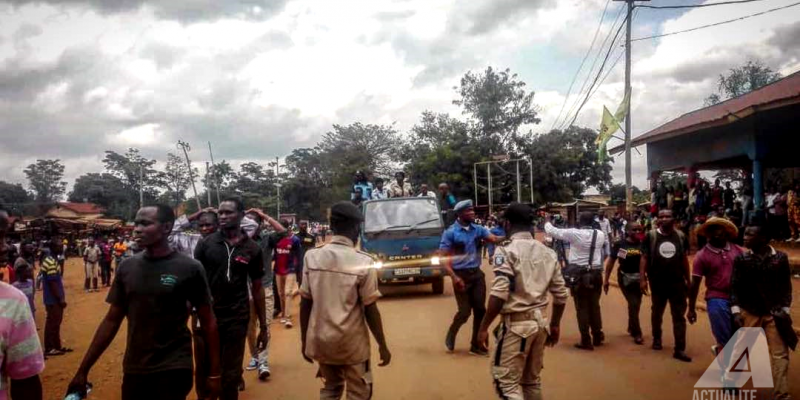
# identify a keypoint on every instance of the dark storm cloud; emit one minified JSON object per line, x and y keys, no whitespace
{"x":185,"y":11}
{"x":787,"y":38}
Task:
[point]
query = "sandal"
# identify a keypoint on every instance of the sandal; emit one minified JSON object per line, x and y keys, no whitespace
{"x":54,"y":352}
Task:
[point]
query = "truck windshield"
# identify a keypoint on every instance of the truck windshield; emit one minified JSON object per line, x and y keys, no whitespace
{"x":413,"y":213}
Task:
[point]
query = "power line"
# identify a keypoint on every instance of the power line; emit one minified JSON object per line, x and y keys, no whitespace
{"x":723,"y":3}
{"x":574,"y":77}
{"x":717,"y":23}
{"x":591,"y":70}
{"x":599,"y":72}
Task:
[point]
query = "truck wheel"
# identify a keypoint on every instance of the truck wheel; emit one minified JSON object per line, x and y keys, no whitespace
{"x":438,"y":286}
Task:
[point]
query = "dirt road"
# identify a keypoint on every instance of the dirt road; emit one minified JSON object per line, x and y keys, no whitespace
{"x":415,"y":322}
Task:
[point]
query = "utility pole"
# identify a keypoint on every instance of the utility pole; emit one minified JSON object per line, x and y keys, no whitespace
{"x":629,"y":24}
{"x":208,"y":180}
{"x":519,"y":185}
{"x":141,"y":185}
{"x":278,"y":185}
{"x":216,"y":183}
{"x":185,"y":146}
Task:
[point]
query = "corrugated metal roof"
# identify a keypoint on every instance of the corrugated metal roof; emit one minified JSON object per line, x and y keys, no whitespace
{"x":719,"y":114}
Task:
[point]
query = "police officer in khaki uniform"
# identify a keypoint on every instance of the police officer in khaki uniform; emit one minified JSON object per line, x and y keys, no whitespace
{"x":525,"y":271}
{"x":339,"y":294}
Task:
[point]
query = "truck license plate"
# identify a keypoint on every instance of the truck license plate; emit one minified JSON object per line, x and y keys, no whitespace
{"x":406,"y":271}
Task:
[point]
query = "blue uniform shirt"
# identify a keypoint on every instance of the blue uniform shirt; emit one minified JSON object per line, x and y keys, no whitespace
{"x":497,"y":231}
{"x":462,"y":242}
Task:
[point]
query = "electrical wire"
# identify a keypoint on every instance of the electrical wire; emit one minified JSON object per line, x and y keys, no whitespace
{"x":580,"y":67}
{"x":599,"y":72}
{"x":722,"y":3}
{"x":717,"y":23}
{"x":591,"y":69}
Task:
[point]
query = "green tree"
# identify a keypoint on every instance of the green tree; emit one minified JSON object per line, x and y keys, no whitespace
{"x":44,"y":180}
{"x":135,"y":171}
{"x":176,"y":179}
{"x":107,"y":191}
{"x":617,"y":193}
{"x":565,"y":164}
{"x":740,"y":80}
{"x":497,"y":104}
{"x":308,"y":189}
{"x":369,"y":148}
{"x":13,"y":196}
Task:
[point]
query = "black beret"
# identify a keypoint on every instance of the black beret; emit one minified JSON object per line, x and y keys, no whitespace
{"x":346,"y":210}
{"x":519,"y":214}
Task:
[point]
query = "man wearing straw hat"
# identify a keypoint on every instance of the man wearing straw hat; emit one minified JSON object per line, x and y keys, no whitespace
{"x":714,"y":262}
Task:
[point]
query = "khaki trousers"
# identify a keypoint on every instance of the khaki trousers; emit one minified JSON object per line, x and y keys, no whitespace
{"x":357,"y":378}
{"x":778,"y":352}
{"x":517,"y":360}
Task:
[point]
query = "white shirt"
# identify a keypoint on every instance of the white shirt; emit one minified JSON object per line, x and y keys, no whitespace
{"x":378,"y":194}
{"x":605,"y":226}
{"x":427,"y":194}
{"x":580,"y":241}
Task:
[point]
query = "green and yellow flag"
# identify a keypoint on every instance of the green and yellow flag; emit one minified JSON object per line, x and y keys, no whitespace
{"x":609,"y":124}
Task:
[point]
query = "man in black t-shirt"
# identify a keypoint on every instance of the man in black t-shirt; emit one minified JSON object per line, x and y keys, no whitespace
{"x":152,"y":290}
{"x":233,"y":262}
{"x":666,"y":266}
{"x":629,"y":253}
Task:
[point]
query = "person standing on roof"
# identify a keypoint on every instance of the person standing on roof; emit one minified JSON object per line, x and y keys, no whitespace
{"x":399,"y":187}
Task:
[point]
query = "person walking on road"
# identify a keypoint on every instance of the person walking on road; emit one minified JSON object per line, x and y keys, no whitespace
{"x":91,"y":256}
{"x":339,"y":302}
{"x":459,"y":246}
{"x":152,"y":290}
{"x":525,"y":271}
{"x":54,"y":302}
{"x":629,"y":253}
{"x":288,"y":255}
{"x":605,"y":227}
{"x":665,"y":267}
{"x":233,"y":262}
{"x":714,"y":262}
{"x":761,"y":297}
{"x":586,"y":260}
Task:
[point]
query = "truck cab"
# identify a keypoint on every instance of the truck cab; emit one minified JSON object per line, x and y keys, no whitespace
{"x":403,"y":234}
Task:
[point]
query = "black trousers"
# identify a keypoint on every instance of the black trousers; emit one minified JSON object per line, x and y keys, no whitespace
{"x":587,"y":306}
{"x":633,"y":296}
{"x":167,"y":385}
{"x":52,"y":327}
{"x":276,"y":296}
{"x":201,"y":364}
{"x":676,"y":296}
{"x":471,"y":301}
{"x":232,"y":335}
{"x":105,"y":272}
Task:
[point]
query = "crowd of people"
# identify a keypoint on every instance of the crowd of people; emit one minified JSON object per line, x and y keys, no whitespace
{"x":232,"y":270}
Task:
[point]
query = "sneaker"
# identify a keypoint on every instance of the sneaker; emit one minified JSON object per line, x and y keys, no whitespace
{"x":263,"y":371}
{"x":252,"y":365}
{"x":789,"y":240}
{"x":584,"y":346}
{"x":657,"y":344}
{"x":289,"y":324}
{"x":283,"y":321}
{"x":449,"y":344}
{"x":638,"y":340}
{"x":478,"y":351}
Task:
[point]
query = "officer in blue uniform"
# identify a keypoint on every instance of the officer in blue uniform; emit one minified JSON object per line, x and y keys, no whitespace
{"x":459,"y":246}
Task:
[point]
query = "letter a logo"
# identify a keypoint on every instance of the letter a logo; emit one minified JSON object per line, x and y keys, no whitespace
{"x":744,"y":357}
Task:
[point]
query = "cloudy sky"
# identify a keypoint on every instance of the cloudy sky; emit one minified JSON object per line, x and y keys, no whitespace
{"x":261,"y":77}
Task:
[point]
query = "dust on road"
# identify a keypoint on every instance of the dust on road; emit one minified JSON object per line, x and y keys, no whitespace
{"x":415,"y":322}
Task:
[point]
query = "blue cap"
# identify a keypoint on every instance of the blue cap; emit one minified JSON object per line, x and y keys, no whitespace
{"x":462,"y":205}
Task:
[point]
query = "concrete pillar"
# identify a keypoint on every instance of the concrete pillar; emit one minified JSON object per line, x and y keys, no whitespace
{"x":758,"y":185}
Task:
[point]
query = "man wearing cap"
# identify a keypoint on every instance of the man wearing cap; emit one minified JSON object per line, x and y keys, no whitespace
{"x":400,"y":188}
{"x":525,"y":271}
{"x":339,"y":294}
{"x":459,"y":245}
{"x":714,"y":262}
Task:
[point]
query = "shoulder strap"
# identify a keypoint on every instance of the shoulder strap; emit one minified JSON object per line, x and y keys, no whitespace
{"x":653,"y":234}
{"x":591,"y":248}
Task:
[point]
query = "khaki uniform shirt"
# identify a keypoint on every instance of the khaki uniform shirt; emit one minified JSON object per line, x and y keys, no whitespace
{"x":92,"y":254}
{"x":341,"y":282}
{"x":525,"y":271}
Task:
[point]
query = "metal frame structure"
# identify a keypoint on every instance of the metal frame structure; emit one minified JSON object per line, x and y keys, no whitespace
{"x":489,"y":178}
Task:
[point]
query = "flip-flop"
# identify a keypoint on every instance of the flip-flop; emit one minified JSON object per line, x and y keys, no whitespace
{"x":54,"y":352}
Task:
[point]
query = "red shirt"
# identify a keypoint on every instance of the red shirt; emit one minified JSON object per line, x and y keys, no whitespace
{"x":716,"y":265}
{"x":284,"y":255}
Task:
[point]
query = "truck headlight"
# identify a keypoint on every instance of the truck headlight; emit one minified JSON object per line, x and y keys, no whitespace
{"x":435,"y":261}
{"x":377,"y":265}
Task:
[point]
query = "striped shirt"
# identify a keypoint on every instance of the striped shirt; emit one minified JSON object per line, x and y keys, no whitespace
{"x":20,"y":352}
